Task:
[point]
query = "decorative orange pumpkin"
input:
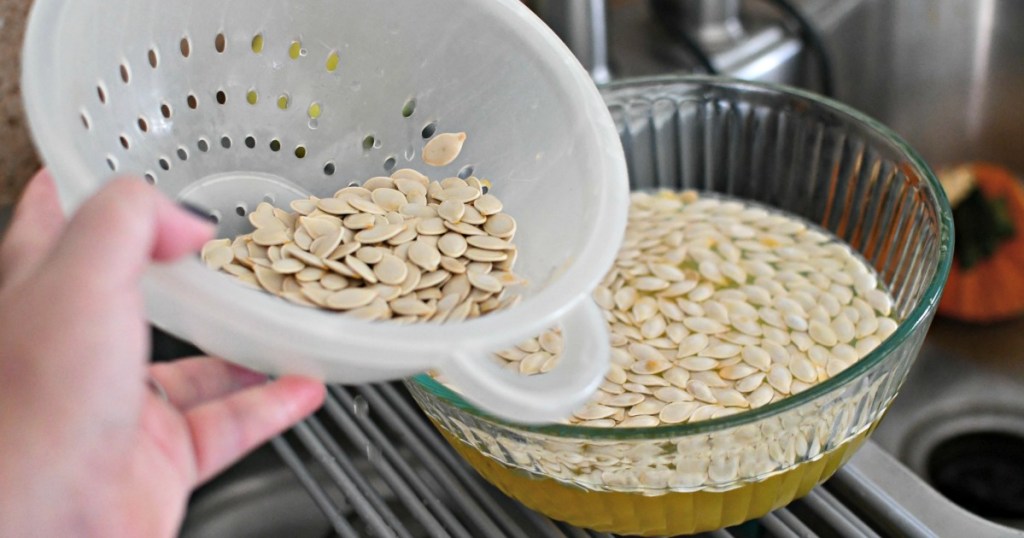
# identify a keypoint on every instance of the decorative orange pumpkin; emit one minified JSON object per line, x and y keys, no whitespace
{"x":986,"y":283}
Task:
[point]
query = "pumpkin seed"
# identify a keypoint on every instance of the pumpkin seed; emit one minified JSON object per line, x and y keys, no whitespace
{"x":360,"y":269}
{"x":488,"y":205}
{"x":335,"y":206}
{"x":443,"y":149}
{"x":484,"y":282}
{"x":499,"y":225}
{"x":351,"y":298}
{"x":451,"y":211}
{"x":389,"y":198}
{"x":217,"y":254}
{"x":287,"y":266}
{"x":424,"y":255}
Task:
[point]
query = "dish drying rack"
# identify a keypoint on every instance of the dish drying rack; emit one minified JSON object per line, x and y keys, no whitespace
{"x":374,"y":466}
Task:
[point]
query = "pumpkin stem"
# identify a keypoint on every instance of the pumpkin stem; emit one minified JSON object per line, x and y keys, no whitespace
{"x":982,"y":225}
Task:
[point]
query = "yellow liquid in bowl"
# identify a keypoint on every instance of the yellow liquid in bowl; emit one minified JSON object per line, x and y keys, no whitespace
{"x":666,"y":514}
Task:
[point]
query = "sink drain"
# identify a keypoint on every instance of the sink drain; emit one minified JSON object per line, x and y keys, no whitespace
{"x":974,"y":456}
{"x":982,"y":472}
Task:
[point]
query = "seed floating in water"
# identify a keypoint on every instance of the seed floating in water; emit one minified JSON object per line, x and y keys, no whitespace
{"x":714,"y":308}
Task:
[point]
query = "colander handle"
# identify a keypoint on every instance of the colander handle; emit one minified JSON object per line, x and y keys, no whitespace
{"x":543,"y":398}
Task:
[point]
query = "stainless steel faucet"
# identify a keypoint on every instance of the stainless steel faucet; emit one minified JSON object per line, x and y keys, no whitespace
{"x":583,"y":26}
{"x":675,"y":36}
{"x":715,"y":24}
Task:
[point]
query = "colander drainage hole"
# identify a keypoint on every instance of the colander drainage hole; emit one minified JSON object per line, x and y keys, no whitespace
{"x":143,"y":124}
{"x":183,"y":154}
{"x":241,"y":210}
{"x":275,"y":145}
{"x":329,"y":169}
{"x":165,"y":164}
{"x":389,"y":164}
{"x":125,"y":74}
{"x":250,"y":142}
{"x":101,"y":93}
{"x":269,"y":198}
{"x":466,"y":171}
{"x":85,"y":121}
{"x":165,"y":110}
{"x":429,"y":130}
{"x":124,"y":142}
{"x":112,"y":163}
{"x":982,"y":472}
{"x":215,"y":216}
{"x":368,"y":142}
{"x":225,"y":142}
{"x":222,"y":98}
{"x":409,"y":108}
{"x":203,"y":145}
{"x":150,"y":178}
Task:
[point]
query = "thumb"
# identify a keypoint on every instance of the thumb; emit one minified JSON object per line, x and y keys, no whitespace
{"x":120,"y":230}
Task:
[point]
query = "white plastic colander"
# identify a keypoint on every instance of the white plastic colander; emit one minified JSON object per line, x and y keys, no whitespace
{"x":225,"y":104}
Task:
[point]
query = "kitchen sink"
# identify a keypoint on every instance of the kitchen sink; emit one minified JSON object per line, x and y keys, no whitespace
{"x":959,"y":419}
{"x":948,"y":75}
{"x":945,"y":75}
{"x":370,"y":464}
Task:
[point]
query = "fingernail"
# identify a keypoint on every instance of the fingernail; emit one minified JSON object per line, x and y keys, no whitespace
{"x":203,"y":214}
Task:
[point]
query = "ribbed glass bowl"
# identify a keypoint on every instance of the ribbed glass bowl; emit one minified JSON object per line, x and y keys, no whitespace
{"x":784,"y":148}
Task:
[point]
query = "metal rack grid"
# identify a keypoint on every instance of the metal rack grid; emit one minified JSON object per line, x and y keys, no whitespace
{"x":374,"y":465}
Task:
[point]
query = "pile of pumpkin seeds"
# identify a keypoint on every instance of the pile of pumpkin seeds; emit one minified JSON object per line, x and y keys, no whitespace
{"x":715,"y":307}
{"x":401,"y":248}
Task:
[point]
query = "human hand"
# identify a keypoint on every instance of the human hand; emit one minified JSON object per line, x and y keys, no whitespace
{"x":85,"y":448}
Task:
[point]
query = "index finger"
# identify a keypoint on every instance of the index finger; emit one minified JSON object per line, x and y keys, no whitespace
{"x":225,"y":430}
{"x":34,"y":229}
{"x":197,"y":380}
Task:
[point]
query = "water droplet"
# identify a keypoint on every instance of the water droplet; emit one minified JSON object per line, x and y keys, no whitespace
{"x":360,"y":406}
{"x":372,"y":453}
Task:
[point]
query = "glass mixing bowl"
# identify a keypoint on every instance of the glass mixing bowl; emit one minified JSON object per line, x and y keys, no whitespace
{"x":783,"y":148}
